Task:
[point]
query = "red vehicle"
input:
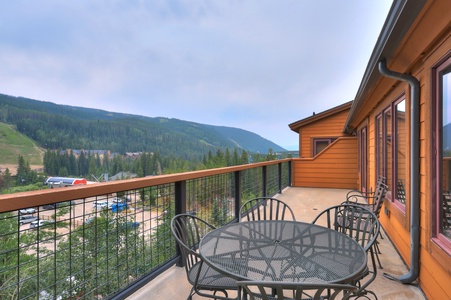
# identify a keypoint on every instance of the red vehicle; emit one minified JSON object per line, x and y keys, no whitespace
{"x":64,"y":181}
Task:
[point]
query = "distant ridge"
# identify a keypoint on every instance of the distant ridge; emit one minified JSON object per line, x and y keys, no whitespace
{"x":55,"y":126}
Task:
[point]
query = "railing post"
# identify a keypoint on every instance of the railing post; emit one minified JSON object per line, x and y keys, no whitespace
{"x":180,"y":197}
{"x":237,"y":194}
{"x":279,"y":165}
{"x":290,"y":183}
{"x":264,"y":180}
{"x":180,"y":207}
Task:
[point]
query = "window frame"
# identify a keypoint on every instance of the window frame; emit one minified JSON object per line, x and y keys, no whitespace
{"x":441,"y":240}
{"x":386,"y":131}
{"x":362,"y":136}
{"x":395,"y":146}
{"x":329,"y":141}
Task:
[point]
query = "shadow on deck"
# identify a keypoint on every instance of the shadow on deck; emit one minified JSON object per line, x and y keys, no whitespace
{"x":306,"y":203}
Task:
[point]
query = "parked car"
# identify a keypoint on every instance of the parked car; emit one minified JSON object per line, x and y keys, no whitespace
{"x":26,"y":211}
{"x":99,"y":204}
{"x":49,"y":206}
{"x":39,"y":223}
{"x":59,"y":204}
{"x":26,"y":219}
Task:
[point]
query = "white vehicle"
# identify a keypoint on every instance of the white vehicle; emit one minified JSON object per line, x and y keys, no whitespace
{"x":26,"y":219}
{"x":39,"y":223}
{"x":99,"y":204}
{"x":27,"y":211}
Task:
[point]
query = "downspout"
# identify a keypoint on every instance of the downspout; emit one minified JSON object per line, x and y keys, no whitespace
{"x":414,"y":172}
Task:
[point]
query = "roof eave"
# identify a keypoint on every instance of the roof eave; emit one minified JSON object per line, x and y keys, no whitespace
{"x":401,"y":16}
{"x":316,"y":117}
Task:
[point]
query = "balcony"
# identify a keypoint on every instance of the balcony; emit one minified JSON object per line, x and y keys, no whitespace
{"x":112,"y":240}
{"x":306,"y":203}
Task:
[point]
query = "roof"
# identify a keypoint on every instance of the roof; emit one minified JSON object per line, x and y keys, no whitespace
{"x":400,"y":18}
{"x":322,"y":115}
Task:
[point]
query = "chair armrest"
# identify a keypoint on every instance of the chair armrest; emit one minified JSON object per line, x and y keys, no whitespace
{"x":360,"y":193}
{"x":356,"y":199}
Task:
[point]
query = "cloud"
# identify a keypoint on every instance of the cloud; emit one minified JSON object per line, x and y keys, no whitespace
{"x":256,"y":65}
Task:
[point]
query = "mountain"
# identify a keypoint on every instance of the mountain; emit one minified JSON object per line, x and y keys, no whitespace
{"x":55,"y":126}
{"x":13,"y":144}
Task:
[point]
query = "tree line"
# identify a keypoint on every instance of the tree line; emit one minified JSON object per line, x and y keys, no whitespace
{"x":93,"y":166}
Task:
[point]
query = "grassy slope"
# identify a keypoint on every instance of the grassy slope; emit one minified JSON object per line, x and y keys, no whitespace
{"x":13,"y":144}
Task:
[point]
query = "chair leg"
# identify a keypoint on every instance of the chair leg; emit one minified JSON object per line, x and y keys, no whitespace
{"x":377,"y":251}
{"x":362,"y":290}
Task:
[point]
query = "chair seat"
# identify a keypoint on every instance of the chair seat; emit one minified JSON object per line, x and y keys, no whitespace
{"x":210,"y":278}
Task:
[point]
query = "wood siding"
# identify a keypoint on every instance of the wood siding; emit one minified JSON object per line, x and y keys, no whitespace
{"x":334,"y":167}
{"x":330,"y":127}
{"x":428,"y":41}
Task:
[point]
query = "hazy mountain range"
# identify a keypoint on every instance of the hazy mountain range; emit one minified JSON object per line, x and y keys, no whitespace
{"x":55,"y":126}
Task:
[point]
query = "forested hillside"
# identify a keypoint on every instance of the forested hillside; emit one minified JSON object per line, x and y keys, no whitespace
{"x":13,"y":144}
{"x":55,"y":126}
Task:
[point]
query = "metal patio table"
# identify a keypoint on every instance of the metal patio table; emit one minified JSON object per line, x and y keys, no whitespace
{"x":283,"y":251}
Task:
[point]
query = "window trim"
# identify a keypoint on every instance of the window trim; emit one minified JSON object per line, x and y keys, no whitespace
{"x":439,"y":239}
{"x":362,"y":136}
{"x":329,"y":140}
{"x":382,"y":167}
{"x":395,"y":158}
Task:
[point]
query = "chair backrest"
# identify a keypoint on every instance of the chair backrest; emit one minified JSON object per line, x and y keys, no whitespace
{"x":188,"y":230}
{"x":355,"y":195}
{"x":379,"y":198}
{"x":356,"y":221}
{"x":274,"y":290}
{"x":265,"y":208}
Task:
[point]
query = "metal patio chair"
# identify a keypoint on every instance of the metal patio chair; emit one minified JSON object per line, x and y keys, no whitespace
{"x":278,"y":290}
{"x":188,"y":231}
{"x":373,"y":203}
{"x":360,"y":224}
{"x":381,"y":180}
{"x":265,"y":208}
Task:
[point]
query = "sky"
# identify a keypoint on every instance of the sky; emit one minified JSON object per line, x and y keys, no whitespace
{"x":257,"y":65}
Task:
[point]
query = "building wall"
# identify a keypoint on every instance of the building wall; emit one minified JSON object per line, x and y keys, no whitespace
{"x":428,"y":41}
{"x":330,"y":127}
{"x":334,"y":167}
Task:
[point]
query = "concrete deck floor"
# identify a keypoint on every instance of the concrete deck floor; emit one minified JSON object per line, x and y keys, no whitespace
{"x":306,"y":203}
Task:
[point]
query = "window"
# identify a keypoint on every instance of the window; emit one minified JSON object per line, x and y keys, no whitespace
{"x":379,"y":148}
{"x":400,"y":151}
{"x":320,"y":144}
{"x":442,"y":148}
{"x":391,"y":148}
{"x":363,"y":157}
{"x":387,"y":147}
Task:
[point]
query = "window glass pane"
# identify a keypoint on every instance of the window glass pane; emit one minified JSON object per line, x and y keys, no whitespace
{"x":446,"y":154}
{"x":401,"y":151}
{"x":388,"y":148}
{"x":380,"y":152}
{"x":320,"y":146}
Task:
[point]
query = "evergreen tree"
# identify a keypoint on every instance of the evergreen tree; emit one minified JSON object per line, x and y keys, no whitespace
{"x":7,"y":179}
{"x":244,"y":159}
{"x":23,"y":171}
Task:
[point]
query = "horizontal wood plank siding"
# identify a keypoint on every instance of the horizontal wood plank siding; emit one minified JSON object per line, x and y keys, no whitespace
{"x":334,"y":167}
{"x":424,"y":46}
{"x":330,"y":127}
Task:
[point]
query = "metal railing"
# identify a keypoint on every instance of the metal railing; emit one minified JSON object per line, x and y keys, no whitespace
{"x":106,"y":240}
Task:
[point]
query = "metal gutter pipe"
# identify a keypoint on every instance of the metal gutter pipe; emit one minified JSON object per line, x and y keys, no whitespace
{"x":414,"y":172}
